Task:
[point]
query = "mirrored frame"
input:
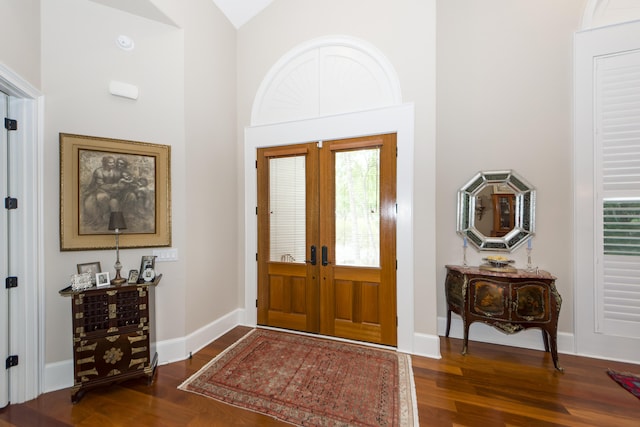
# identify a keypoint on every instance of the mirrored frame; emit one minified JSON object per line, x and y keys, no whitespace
{"x":524,"y":206}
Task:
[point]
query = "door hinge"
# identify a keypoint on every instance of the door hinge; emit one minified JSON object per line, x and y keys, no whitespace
{"x":11,"y":282}
{"x":256,"y":302}
{"x":12,"y":361}
{"x":256,"y":164}
{"x":10,"y":203}
{"x":10,"y":124}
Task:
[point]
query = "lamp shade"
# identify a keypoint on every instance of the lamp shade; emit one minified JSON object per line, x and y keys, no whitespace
{"x":116,"y":221}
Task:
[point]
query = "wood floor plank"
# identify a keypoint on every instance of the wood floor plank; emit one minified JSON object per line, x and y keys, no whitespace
{"x":491,"y":386}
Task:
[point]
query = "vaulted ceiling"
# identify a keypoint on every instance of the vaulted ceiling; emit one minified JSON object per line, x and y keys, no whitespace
{"x":241,"y":11}
{"x":237,"y":11}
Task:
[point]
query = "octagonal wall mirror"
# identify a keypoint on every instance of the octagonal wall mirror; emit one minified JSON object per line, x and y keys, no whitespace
{"x":496,"y":211}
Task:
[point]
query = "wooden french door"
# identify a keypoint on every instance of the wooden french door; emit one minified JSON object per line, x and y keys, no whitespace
{"x":326,"y":238}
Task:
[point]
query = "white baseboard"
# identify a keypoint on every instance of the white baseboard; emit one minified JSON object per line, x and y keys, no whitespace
{"x":59,"y":375}
{"x":530,"y":338}
{"x":177,"y":349}
{"x":426,"y":345}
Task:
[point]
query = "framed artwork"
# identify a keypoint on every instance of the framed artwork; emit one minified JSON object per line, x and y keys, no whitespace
{"x":133,"y":277}
{"x":102,"y":279}
{"x":90,"y":267}
{"x":101,"y":175}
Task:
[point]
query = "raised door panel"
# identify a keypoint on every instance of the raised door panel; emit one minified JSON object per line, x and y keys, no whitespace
{"x":287,"y":304}
{"x":357,"y":302}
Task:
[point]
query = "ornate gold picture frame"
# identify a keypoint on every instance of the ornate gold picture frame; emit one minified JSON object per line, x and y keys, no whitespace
{"x":101,"y":175}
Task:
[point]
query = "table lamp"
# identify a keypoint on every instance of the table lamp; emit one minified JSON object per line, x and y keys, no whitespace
{"x":116,"y":222}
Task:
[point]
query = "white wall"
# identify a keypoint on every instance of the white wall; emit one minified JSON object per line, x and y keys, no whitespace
{"x":20,"y":35}
{"x":504,"y":102}
{"x":79,"y":59}
{"x":213,"y":287}
{"x":187,"y":101}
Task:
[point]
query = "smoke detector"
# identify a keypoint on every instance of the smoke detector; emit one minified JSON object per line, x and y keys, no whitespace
{"x":125,"y":43}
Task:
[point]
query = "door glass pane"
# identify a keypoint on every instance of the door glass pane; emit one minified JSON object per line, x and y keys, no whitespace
{"x":287,"y":214}
{"x":357,"y":177}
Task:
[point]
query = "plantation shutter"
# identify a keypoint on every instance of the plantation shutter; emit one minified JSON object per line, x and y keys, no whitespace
{"x":618,"y":180}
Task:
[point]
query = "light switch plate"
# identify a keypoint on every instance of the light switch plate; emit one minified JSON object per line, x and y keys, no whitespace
{"x":164,"y":255}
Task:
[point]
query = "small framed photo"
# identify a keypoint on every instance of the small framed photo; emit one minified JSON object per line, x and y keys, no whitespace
{"x":102,"y":279}
{"x":148,"y":261}
{"x":92,"y":268}
{"x":133,"y":277}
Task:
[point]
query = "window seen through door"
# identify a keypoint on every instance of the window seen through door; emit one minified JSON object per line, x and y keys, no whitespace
{"x":357,"y":221}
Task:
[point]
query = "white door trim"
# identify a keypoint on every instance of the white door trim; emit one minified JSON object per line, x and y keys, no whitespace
{"x":27,"y":262}
{"x":590,"y":44}
{"x":398,"y":119}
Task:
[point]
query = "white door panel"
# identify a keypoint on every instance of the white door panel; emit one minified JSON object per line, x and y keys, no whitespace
{"x":4,"y":258}
{"x":603,"y":296}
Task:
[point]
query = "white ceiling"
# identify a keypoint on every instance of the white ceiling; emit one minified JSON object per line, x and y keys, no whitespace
{"x":238,"y":12}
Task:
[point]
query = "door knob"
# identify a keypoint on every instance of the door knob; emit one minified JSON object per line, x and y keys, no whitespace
{"x":313,"y":255}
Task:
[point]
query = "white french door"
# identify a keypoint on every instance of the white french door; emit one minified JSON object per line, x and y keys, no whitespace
{"x":4,"y":252}
{"x":607,"y":171}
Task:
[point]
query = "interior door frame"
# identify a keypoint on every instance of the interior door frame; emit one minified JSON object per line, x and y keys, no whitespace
{"x":397,"y":119}
{"x":588,"y":45}
{"x":26,"y":323}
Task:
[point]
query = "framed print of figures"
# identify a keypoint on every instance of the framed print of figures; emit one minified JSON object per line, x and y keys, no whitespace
{"x":101,"y":175}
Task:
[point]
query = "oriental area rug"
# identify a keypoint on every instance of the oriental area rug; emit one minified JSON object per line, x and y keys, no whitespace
{"x":310,"y":381}
{"x":629,"y":381}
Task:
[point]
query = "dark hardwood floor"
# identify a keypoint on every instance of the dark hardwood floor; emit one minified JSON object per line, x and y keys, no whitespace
{"x":491,"y":386}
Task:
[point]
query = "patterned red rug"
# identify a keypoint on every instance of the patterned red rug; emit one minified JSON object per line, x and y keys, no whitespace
{"x":311,"y":381}
{"x":630,"y":382}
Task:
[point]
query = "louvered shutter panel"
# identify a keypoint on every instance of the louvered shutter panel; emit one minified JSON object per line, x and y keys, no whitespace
{"x":618,"y":174}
